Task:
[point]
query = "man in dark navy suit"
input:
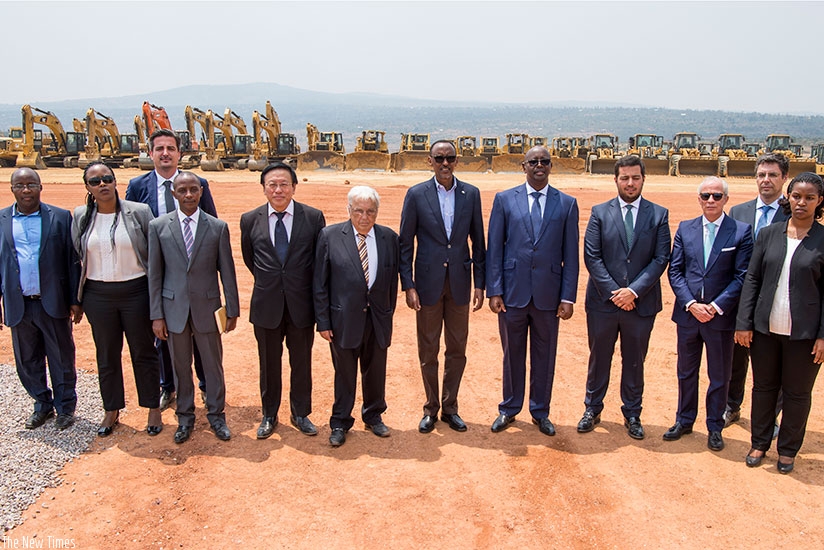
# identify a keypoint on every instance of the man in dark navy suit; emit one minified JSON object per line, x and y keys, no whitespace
{"x":39,"y":273}
{"x":442,"y":214}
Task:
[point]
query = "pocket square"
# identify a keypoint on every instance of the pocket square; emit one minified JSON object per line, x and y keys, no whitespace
{"x":727,"y":249}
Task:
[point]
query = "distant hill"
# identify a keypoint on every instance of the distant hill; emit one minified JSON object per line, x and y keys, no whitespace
{"x":351,"y":113}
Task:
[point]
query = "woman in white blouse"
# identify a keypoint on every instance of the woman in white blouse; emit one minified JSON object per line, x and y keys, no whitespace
{"x":781,"y":318}
{"x":110,"y":236}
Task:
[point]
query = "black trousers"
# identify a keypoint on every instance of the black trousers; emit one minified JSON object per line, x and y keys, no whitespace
{"x":780,"y":364}
{"x":114,"y":309}
{"x":738,"y":379}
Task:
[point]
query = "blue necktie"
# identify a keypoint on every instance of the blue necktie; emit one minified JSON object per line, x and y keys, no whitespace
{"x":537,"y":220}
{"x":281,"y":238}
{"x":709,"y":238}
{"x":762,"y":221}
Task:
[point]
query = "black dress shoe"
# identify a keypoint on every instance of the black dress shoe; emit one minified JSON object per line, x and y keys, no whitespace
{"x":183,"y":434}
{"x":303,"y":424}
{"x":502,"y":422}
{"x":154,"y":430}
{"x":338,"y":437}
{"x":64,"y":421}
{"x":38,"y":418}
{"x":588,"y":421}
{"x":154,"y":424}
{"x":166,"y":399}
{"x":634,"y":427}
{"x":378,"y":428}
{"x":545,"y":425}
{"x":111,"y":420}
{"x":731,"y":417}
{"x":221,"y":430}
{"x":676,"y":431}
{"x":427,"y":424}
{"x":785,"y":467}
{"x":715,"y":442}
{"x":455,"y":422}
{"x":267,"y":427}
{"x":753,"y":461}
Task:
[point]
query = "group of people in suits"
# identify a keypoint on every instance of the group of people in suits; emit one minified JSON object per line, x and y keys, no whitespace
{"x":148,"y":269}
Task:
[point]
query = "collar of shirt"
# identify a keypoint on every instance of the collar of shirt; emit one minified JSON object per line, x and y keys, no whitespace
{"x":368,"y":235}
{"x":717,"y":223}
{"x":530,"y":190}
{"x":195,"y":217}
{"x":17,"y":214}
{"x":760,"y":203}
{"x":441,"y":189}
{"x":636,"y":203}
{"x":161,"y":180}
{"x":290,"y":209}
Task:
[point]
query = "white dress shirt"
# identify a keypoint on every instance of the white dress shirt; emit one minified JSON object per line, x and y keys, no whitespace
{"x":371,"y":253}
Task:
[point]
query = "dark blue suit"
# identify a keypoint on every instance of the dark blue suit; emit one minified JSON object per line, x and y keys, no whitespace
{"x":613,"y":265}
{"x":42,"y":328}
{"x":532,"y":276}
{"x":718,"y":283}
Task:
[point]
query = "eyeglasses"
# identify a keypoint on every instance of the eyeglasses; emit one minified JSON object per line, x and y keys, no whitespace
{"x":97,"y":180}
{"x":361,"y":212}
{"x":536,"y":162}
{"x":29,"y":186}
{"x":449,"y":158}
{"x":715,"y":196}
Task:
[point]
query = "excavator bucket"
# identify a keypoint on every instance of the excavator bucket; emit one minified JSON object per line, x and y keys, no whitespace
{"x":368,"y":160}
{"x":601,"y":166}
{"x":33,"y":160}
{"x":567,"y":165}
{"x":410,"y":160}
{"x":656,"y":167}
{"x":320,"y":160}
{"x":212,"y":165}
{"x":507,"y":162}
{"x":468,"y":163}
{"x":696,"y":167}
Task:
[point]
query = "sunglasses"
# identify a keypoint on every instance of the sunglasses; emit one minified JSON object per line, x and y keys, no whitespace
{"x":536,"y":162}
{"x":100,"y":179}
{"x":440,"y":158}
{"x":715,"y":196}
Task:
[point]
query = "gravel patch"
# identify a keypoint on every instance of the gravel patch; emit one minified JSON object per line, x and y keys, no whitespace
{"x":30,"y":459}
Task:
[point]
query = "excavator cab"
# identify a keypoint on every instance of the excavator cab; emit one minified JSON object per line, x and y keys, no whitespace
{"x":129,"y":143}
{"x":243,"y":144}
{"x":75,"y":143}
{"x":286,"y":145}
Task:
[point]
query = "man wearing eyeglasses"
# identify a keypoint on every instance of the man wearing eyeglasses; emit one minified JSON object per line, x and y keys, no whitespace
{"x":531,"y":281}
{"x":442,"y":215}
{"x":626,"y":250}
{"x":40,"y":273}
{"x":710,"y":255}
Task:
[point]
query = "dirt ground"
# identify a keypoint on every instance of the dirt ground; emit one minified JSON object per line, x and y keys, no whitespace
{"x":477,"y":489}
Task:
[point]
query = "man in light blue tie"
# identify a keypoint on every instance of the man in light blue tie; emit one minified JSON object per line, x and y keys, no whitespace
{"x":771,"y":171}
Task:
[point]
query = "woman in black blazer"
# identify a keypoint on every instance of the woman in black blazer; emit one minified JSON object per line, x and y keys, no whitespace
{"x":781,"y":317}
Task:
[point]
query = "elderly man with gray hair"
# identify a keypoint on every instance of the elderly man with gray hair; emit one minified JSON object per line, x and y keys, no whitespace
{"x":356,"y":290}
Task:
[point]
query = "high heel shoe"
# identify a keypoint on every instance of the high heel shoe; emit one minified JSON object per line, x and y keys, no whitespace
{"x":753,"y":461}
{"x":110,"y":420}
{"x":785,"y":467}
{"x":154,"y":426}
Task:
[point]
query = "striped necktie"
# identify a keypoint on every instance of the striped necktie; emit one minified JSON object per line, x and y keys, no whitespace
{"x":364,"y":257}
{"x":188,"y":238}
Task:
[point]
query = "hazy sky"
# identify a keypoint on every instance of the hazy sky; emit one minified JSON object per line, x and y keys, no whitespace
{"x":743,"y":56}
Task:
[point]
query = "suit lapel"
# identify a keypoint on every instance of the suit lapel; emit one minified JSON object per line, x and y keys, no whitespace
{"x":298,"y":226}
{"x":722,"y":238}
{"x":553,"y":202}
{"x":618,"y":219}
{"x":8,"y":231}
{"x":203,"y":227}
{"x":431,"y":194}
{"x":522,"y":207}
{"x":177,"y":233}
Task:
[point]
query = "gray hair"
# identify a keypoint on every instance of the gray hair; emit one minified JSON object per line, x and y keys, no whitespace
{"x":363,"y":192}
{"x":713,"y":179}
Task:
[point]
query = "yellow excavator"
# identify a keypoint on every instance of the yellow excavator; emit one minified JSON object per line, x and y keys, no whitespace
{"x":650,"y":148}
{"x":105,"y":143}
{"x":371,"y":152}
{"x":603,"y":151}
{"x":470,"y":158}
{"x":783,"y":143}
{"x":64,"y":149}
{"x":232,"y":148}
{"x":568,"y":155}
{"x":270,"y":143}
{"x":325,"y":151}
{"x":209,"y":160}
{"x":413,"y":153}
{"x":512,"y":154}
{"x":153,"y":118}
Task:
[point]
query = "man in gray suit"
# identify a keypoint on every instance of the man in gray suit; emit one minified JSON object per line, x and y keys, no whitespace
{"x":771,"y":171}
{"x":187,"y":250}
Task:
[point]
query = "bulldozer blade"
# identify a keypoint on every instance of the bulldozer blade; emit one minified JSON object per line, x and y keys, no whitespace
{"x":656,"y":167}
{"x":368,"y":160}
{"x":741,"y":168}
{"x":34,"y":161}
{"x":320,"y":160}
{"x":467,"y":163}
{"x":507,"y":162}
{"x":602,"y":166}
{"x":803,"y":165}
{"x":697,"y":167}
{"x":411,"y":160}
{"x":567,"y":165}
{"x":214,"y":165}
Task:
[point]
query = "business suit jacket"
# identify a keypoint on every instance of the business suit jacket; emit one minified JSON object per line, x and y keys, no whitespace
{"x":276,"y":284}
{"x":612,"y":264}
{"x":135,"y":218}
{"x":342,"y":299}
{"x":722,"y":278}
{"x":745,"y":212}
{"x":436,"y":256}
{"x":806,"y":280}
{"x":518,"y":270}
{"x":179,"y":285}
{"x":143,"y":189}
{"x":59,"y":266}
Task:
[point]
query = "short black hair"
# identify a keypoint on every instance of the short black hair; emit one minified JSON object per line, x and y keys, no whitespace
{"x":163,"y":132}
{"x":447,"y":141}
{"x":774,"y":158}
{"x":279,"y":166}
{"x":630,"y":160}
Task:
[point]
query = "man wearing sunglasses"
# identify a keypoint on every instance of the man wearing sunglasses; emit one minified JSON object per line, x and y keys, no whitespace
{"x":626,"y":250}
{"x":531,"y":282}
{"x":442,"y":214}
{"x":709,"y":260}
{"x":39,"y":275}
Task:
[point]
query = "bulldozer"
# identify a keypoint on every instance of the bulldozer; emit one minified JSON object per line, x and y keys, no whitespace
{"x":413,"y":153}
{"x":105,"y":143}
{"x":603,"y":150}
{"x":325,"y":151}
{"x":470,"y":158}
{"x":733,"y":159}
{"x":512,"y":155}
{"x":210,"y":160}
{"x":489,"y":148}
{"x":62,"y":151}
{"x":270,"y":143}
{"x":566,"y":155}
{"x":784,"y":144}
{"x":8,"y":152}
{"x":687,"y":158}
{"x":650,"y":148}
{"x":371,"y":152}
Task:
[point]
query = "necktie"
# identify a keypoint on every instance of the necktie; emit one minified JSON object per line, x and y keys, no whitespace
{"x":628,"y":225}
{"x":188,"y":238}
{"x":762,"y":221}
{"x":535,"y":213}
{"x":364,"y":257}
{"x":167,"y":195}
{"x":281,"y":238}
{"x":709,"y":238}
